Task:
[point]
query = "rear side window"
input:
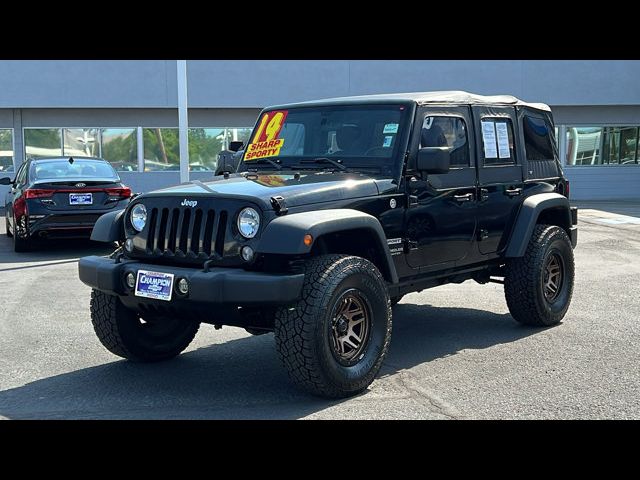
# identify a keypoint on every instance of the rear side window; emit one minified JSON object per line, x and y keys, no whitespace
{"x":497,"y":141}
{"x":448,"y":132}
{"x":537,"y":138}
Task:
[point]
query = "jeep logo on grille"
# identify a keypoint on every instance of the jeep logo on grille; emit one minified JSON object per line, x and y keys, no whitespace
{"x":189,"y":203}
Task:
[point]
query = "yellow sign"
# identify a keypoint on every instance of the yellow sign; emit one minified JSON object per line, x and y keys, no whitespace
{"x":263,"y":149}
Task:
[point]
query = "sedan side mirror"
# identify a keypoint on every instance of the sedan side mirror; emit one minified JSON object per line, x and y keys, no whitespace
{"x":6,"y":181}
{"x":434,"y":160}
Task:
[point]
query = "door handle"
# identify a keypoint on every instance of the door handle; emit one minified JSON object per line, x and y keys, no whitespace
{"x":467,"y":197}
{"x":513,"y":192}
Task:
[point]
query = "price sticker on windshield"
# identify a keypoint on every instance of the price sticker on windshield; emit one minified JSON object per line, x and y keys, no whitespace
{"x":265,"y":139}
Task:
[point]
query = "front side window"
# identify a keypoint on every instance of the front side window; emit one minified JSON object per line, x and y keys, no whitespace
{"x":450,"y":132}
{"x":537,"y":138}
{"x":358,"y":135}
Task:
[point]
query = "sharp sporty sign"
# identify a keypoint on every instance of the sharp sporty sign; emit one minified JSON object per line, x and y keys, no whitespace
{"x":265,"y":141}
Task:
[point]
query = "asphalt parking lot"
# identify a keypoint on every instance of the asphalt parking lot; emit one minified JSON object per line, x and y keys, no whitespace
{"x":455,"y":352}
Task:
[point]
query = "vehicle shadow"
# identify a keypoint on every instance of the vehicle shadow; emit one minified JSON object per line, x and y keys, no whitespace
{"x":49,"y":250}
{"x":243,"y":378}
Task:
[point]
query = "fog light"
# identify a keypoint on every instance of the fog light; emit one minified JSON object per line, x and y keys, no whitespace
{"x":247,"y":253}
{"x":183,"y":286}
{"x":131,"y":280}
{"x":128,"y":245}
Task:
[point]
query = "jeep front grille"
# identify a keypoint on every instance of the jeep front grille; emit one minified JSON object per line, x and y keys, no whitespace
{"x":186,"y":232}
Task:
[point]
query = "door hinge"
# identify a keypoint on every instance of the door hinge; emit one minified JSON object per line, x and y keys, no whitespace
{"x":483,"y":234}
{"x":484,"y":194}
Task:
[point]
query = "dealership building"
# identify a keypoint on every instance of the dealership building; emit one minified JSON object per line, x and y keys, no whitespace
{"x":127,"y":111}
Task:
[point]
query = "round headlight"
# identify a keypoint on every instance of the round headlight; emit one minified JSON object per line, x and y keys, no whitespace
{"x":138,"y":216}
{"x":248,"y":222}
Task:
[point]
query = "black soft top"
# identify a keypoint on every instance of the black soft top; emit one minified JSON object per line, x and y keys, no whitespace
{"x":454,"y":97}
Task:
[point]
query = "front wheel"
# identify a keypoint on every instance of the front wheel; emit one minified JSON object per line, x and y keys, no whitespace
{"x":538,"y":286}
{"x":333,"y":342}
{"x":144,"y":339}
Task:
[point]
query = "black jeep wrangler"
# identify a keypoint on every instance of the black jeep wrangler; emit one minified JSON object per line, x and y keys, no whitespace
{"x":341,"y":207}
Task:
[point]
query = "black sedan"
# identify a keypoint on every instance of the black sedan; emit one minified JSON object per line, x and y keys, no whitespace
{"x":60,"y":197}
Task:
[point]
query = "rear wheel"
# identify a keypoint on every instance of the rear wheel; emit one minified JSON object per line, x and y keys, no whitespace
{"x":145,"y":339}
{"x":20,"y":244}
{"x":334,"y":340}
{"x":538,"y":287}
{"x":6,"y":228}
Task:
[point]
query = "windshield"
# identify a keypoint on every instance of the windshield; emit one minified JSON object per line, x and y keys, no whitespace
{"x":61,"y":169}
{"x":354,"y":135}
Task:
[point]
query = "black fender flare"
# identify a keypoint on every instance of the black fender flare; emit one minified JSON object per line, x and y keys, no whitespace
{"x":285,"y":234}
{"x":528,"y":215}
{"x":109,"y":227}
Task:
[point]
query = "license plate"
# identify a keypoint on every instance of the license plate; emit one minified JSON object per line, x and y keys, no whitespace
{"x":80,"y":199}
{"x":156,"y":285}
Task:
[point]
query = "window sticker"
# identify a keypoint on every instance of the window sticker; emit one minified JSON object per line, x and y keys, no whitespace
{"x":387,"y":141}
{"x":390,"y":128}
{"x":489,"y":139}
{"x":265,"y":141}
{"x":503,"y":140}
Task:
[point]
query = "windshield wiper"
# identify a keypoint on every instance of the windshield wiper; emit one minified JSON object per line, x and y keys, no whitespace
{"x":335,"y":163}
{"x":264,"y":160}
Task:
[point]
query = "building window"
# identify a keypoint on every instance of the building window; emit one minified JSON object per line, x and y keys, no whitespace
{"x":42,"y":142}
{"x":602,"y":145}
{"x":81,"y":142}
{"x":206,"y":143}
{"x":537,"y":138}
{"x":6,"y":150}
{"x":120,"y":148}
{"x":161,"y":149}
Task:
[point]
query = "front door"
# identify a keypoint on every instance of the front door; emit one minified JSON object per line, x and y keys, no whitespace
{"x":441,"y":217}
{"x":500,"y":181}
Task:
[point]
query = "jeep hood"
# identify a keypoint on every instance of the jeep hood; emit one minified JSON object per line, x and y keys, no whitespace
{"x":303,"y":189}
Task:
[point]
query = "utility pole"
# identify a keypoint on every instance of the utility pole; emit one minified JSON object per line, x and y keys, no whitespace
{"x":183,"y":120}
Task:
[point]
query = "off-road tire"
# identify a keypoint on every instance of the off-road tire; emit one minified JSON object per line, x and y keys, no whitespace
{"x":303,"y":332}
{"x":122,"y":333}
{"x":523,"y":282}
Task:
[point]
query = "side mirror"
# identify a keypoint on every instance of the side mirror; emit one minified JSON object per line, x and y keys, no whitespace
{"x":434,"y":160}
{"x":235,"y":146}
{"x":6,"y":181}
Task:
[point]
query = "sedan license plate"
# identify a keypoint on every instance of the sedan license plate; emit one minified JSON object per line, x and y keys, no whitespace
{"x":80,"y":199}
{"x":156,"y":285}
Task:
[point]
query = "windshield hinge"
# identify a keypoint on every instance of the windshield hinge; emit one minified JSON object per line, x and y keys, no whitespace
{"x":279,"y":205}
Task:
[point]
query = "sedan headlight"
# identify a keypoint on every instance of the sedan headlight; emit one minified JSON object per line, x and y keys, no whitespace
{"x":248,"y":222}
{"x":138,"y":217}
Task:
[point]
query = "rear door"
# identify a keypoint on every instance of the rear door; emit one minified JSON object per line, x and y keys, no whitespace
{"x":500,"y":181}
{"x":440,"y":223}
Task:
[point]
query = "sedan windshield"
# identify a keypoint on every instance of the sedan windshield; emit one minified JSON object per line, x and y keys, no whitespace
{"x":320,"y":137}
{"x":61,"y":169}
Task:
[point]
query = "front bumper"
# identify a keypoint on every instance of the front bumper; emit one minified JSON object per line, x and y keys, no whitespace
{"x":217,"y":286}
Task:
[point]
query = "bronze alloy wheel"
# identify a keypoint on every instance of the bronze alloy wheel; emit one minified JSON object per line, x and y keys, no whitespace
{"x":350,"y":327}
{"x":552,"y":276}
